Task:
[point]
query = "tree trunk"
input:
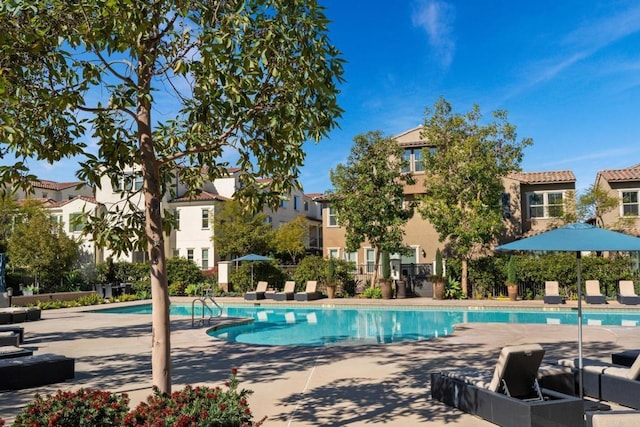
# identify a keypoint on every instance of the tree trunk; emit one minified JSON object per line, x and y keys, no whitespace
{"x":464,"y":278}
{"x":161,"y":328}
{"x":376,"y":266}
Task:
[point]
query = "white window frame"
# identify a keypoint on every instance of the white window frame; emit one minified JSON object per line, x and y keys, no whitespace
{"x":204,"y":219}
{"x":546,"y":207}
{"x":190,"y":255}
{"x":332,"y":217}
{"x":370,"y":265}
{"x":296,"y":203}
{"x":623,"y":204}
{"x":333,"y":253}
{"x":204,"y":261}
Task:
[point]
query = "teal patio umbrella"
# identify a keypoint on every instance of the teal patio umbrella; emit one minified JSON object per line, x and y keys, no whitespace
{"x":253,"y":258}
{"x":576,"y":238}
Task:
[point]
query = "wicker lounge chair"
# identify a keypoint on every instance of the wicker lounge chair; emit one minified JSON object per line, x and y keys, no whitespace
{"x":551,"y":293}
{"x":627,"y":293}
{"x":31,"y":371}
{"x":14,"y":329}
{"x":261,"y":289}
{"x":286,"y":294}
{"x":12,"y":351}
{"x":510,"y":396}
{"x":310,"y":292}
{"x":593,"y":294}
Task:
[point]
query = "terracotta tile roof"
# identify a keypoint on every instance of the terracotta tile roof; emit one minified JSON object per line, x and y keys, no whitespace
{"x":64,"y":202}
{"x":314,"y":196}
{"x":621,"y":175}
{"x":52,"y":185}
{"x":200,"y":196}
{"x":543,"y":177}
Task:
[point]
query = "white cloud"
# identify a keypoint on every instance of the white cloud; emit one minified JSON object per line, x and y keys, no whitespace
{"x":436,"y":18}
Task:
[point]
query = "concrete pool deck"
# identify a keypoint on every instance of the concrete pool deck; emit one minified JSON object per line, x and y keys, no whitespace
{"x":303,"y":386}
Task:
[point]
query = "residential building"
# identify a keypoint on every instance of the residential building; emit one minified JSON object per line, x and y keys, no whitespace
{"x":623,"y":184}
{"x":532,"y":202}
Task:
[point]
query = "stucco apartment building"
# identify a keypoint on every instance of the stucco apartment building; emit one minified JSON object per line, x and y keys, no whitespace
{"x":532,"y":202}
{"x":193,"y":237}
{"x":623,"y":184}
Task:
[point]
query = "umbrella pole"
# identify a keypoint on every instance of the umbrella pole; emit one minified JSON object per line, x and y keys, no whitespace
{"x":578,"y":256}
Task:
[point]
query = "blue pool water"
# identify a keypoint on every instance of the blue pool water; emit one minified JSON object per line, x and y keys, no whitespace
{"x":322,"y":326}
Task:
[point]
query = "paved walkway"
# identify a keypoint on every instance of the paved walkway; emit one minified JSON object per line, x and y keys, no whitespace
{"x":301,"y":386}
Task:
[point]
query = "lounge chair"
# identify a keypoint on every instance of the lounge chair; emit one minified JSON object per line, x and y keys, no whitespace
{"x":613,"y":418}
{"x":14,"y":329}
{"x":286,"y":294}
{"x":627,"y":293}
{"x":593,"y":294}
{"x":310,"y":292}
{"x":261,"y":289}
{"x":510,"y":396}
{"x":606,"y":381}
{"x":31,"y":371}
{"x":12,"y":351}
{"x":551,"y":293}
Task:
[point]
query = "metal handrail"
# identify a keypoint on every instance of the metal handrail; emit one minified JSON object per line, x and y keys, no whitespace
{"x":203,"y":300}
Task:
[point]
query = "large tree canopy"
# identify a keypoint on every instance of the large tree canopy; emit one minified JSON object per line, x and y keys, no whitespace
{"x":368,"y":195}
{"x":463,"y":176}
{"x":250,"y":79}
{"x":238,"y":231}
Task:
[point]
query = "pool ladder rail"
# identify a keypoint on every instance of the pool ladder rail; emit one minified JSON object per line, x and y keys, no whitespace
{"x":204,"y":300}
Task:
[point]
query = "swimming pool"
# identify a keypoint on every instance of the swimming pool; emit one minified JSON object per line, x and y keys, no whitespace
{"x":335,"y":325}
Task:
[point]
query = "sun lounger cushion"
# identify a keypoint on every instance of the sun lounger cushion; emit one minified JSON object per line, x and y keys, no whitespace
{"x":259,"y":293}
{"x":287,"y":294}
{"x":627,"y":293}
{"x":551,"y":293}
{"x":31,"y":371}
{"x":11,"y":351}
{"x":593,"y":294}
{"x":310,"y":292}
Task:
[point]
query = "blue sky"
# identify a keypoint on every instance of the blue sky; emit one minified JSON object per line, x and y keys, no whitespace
{"x":568,"y":73}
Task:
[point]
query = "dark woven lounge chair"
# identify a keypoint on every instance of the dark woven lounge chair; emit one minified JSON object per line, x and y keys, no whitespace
{"x":310,"y":293}
{"x":593,"y":295}
{"x":259,"y":293}
{"x":627,"y":295}
{"x":11,"y":351}
{"x":31,"y":371}
{"x":551,"y":293}
{"x":286,"y":294}
{"x":510,"y":396}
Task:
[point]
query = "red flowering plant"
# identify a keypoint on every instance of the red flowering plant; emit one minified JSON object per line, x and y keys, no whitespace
{"x":195,"y":406}
{"x":75,"y":408}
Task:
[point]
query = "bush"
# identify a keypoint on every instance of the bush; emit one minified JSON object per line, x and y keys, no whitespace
{"x":182,"y":270}
{"x":373,"y":293}
{"x":199,"y":406}
{"x":78,"y":408}
{"x":195,"y":289}
{"x":241,"y":277}
{"x":177,"y":289}
{"x":91,"y":299}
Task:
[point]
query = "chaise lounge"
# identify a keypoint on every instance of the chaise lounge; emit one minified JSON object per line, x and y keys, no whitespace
{"x":310,"y":292}
{"x":285,"y":295}
{"x":593,"y":295}
{"x":627,"y":295}
{"x":31,"y":371}
{"x":551,"y":293}
{"x":259,"y":293}
{"x":510,"y":396}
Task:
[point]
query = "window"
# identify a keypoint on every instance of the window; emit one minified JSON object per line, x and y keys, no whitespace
{"x":205,"y":258}
{"x":176,"y":214}
{"x":176,"y":253}
{"x":205,"y":219}
{"x":76,"y":222}
{"x":45,"y":195}
{"x":370,"y":257}
{"x":283,"y":203}
{"x":630,"y":203}
{"x":506,"y":205}
{"x":306,"y":206}
{"x":414,"y":159}
{"x":545,"y":205}
{"x":268,"y":220}
{"x":334,"y":253}
{"x":190,"y":255}
{"x":333,"y":218}
{"x":351,"y":257}
{"x":296,"y":203}
{"x":131,"y":181}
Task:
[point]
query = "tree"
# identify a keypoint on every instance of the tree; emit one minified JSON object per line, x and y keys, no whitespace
{"x":595,"y":203}
{"x":40,"y":246}
{"x":237,"y":231}
{"x":8,"y":211}
{"x":368,"y":195}
{"x":463,"y":177}
{"x":290,"y":238}
{"x":250,"y":79}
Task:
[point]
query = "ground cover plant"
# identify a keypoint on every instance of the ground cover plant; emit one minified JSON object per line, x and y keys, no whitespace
{"x":191,"y":406}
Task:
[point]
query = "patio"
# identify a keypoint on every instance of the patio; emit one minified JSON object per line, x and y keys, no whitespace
{"x":300,"y":386}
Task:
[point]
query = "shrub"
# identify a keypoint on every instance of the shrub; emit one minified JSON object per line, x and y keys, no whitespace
{"x":182,"y":270}
{"x":199,"y":406}
{"x":77,"y":408}
{"x":177,"y":289}
{"x":91,"y":299}
{"x":373,"y":293}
